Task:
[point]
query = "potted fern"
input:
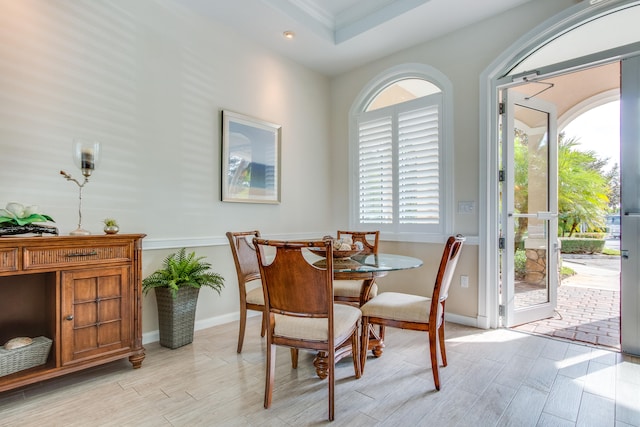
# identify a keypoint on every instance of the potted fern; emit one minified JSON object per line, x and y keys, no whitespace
{"x":177,"y":285}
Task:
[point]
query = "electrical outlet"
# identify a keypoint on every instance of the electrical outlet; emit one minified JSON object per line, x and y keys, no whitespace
{"x":464,"y":281}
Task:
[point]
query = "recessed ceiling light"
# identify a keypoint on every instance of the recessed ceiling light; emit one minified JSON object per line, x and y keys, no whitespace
{"x":288,"y":34}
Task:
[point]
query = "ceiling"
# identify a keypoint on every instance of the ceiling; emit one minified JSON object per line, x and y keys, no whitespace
{"x":334,"y":36}
{"x":568,"y":90}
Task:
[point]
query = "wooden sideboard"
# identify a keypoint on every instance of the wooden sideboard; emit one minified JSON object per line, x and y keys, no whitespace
{"x":82,"y":292}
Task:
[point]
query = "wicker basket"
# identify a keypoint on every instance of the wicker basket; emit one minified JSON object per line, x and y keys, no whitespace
{"x":176,"y":316}
{"x":26,"y":357}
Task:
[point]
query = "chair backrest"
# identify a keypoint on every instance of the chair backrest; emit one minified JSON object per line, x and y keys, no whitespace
{"x":369,"y":239}
{"x":291,"y":285}
{"x":448,"y":263}
{"x":244,"y":255}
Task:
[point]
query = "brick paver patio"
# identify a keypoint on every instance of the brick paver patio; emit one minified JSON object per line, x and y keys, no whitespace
{"x":588,"y":308}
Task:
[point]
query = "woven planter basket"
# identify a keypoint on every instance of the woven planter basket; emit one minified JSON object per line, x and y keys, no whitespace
{"x":176,"y":316}
{"x":34,"y":354}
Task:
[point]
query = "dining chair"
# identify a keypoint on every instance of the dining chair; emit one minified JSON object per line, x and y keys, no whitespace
{"x":418,"y":313}
{"x":300,"y":310}
{"x":246,"y":261}
{"x":348,"y":291}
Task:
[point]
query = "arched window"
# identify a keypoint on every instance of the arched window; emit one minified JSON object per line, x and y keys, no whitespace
{"x":399,"y":150}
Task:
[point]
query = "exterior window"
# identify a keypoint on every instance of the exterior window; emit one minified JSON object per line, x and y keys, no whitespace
{"x":399,"y":152}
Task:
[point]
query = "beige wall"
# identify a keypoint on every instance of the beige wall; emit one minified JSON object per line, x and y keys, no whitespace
{"x":461,"y":56}
{"x":149,"y":79}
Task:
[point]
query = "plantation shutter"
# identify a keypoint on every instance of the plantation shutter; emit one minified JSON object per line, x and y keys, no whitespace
{"x":399,"y":175}
{"x":419,"y":166}
{"x":376,"y":171}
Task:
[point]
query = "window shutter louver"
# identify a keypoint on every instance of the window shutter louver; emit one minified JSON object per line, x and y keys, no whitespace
{"x":418,"y":166}
{"x":376,"y":171}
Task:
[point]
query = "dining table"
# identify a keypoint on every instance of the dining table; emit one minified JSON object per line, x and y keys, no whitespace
{"x":365,"y":267}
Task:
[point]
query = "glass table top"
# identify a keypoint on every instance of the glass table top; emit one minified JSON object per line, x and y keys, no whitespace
{"x":369,"y":263}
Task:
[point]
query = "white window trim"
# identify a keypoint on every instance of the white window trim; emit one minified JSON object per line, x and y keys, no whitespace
{"x":366,"y":95}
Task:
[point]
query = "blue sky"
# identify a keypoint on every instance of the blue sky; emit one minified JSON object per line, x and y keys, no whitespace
{"x":598,"y":130}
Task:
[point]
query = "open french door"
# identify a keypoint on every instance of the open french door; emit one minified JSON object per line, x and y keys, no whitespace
{"x":630,"y":205}
{"x":529,"y":209}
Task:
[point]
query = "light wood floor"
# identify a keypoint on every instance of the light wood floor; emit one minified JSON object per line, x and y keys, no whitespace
{"x":494,"y":378}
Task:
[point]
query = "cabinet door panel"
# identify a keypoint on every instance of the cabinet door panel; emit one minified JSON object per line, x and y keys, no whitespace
{"x":96,"y":314}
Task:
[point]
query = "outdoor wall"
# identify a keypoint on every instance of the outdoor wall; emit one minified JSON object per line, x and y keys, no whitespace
{"x":461,"y":56}
{"x":148,"y":79}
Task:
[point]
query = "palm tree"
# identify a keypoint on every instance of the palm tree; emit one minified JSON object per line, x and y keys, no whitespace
{"x":583,"y":186}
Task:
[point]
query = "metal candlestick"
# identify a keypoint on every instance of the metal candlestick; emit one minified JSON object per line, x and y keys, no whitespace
{"x":86,"y":157}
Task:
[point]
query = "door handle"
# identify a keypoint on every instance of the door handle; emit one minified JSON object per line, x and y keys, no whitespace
{"x":537,"y":215}
{"x":632,"y":214}
{"x":546,"y":215}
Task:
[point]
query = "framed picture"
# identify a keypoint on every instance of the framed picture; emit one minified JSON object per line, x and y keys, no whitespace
{"x":250,"y":159}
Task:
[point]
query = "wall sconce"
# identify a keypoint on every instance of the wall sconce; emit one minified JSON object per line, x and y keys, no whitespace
{"x":86,"y":155}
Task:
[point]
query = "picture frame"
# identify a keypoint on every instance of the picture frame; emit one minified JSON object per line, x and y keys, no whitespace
{"x":250,"y":159}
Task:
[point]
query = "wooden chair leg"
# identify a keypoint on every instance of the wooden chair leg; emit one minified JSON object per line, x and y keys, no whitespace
{"x":332,"y":381}
{"x":264,"y":325}
{"x":355,"y":352}
{"x":271,"y":371}
{"x":243,"y":325}
{"x":443,"y":351}
{"x":294,"y":358}
{"x":364,"y":343}
{"x":433,"y":350}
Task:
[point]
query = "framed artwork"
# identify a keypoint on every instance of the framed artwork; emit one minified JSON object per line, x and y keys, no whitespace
{"x":250,"y":159}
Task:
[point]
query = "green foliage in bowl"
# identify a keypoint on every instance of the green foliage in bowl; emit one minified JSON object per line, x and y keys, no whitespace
{"x":17,"y":214}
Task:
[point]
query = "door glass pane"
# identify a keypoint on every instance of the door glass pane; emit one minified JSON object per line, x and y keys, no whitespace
{"x":531,"y":196}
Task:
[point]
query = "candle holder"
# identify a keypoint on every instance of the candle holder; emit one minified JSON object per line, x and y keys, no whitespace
{"x":85,"y":156}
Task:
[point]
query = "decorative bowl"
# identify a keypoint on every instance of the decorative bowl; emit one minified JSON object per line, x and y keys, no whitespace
{"x":336,"y":253}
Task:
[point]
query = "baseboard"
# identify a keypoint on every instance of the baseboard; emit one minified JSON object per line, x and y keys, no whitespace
{"x":464,"y":320}
{"x":154,"y":336}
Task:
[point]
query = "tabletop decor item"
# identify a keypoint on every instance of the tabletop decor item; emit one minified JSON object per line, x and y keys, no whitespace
{"x":85,"y":156}
{"x":343,"y":248}
{"x":111,"y":226}
{"x":16,"y":218}
{"x":177,"y":284}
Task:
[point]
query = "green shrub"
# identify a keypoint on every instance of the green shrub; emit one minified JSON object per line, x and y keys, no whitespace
{"x":581,"y":246}
{"x":592,"y":235}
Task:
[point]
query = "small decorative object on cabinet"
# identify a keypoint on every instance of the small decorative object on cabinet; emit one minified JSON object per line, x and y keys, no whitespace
{"x":80,"y":295}
{"x":18,"y":219}
{"x":111,"y":226}
{"x":177,"y":285}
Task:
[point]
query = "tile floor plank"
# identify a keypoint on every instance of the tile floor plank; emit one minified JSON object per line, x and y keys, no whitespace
{"x":494,"y":378}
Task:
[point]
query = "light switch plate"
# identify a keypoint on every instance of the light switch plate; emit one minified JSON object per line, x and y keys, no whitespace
{"x":466,"y":207}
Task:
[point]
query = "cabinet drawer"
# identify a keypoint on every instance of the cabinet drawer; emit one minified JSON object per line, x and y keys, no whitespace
{"x":45,"y":257}
{"x":9,"y":259}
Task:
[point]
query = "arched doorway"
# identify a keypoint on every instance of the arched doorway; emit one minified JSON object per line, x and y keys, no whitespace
{"x":543,"y":55}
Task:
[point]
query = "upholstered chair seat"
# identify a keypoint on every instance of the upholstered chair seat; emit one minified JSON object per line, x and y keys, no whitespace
{"x":255,"y":295}
{"x":315,"y":329}
{"x":399,"y":306}
{"x":350,"y":289}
